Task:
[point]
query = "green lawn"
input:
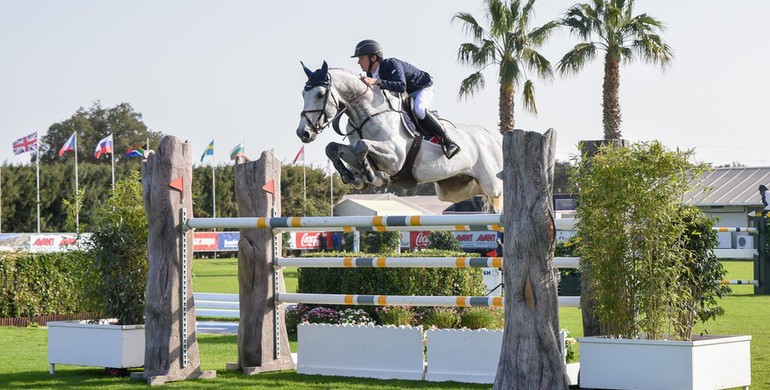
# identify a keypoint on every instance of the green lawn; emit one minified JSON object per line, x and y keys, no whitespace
{"x":23,"y":351}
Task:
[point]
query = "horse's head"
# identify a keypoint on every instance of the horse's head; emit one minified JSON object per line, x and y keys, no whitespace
{"x":320,"y":104}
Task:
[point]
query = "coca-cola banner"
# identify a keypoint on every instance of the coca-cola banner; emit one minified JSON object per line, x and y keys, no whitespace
{"x":304,"y":240}
{"x":419,"y":239}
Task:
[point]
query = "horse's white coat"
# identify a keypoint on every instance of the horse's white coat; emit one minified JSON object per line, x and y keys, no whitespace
{"x":473,"y":171}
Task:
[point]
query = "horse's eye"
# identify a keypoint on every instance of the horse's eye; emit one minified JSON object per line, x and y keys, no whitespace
{"x":319,"y":95}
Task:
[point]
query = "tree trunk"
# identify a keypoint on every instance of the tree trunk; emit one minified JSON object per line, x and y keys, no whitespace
{"x":256,"y":283}
{"x":588,"y":302}
{"x":506,"y":107}
{"x":163,"y":359}
{"x":530,"y":357}
{"x":611,"y":98}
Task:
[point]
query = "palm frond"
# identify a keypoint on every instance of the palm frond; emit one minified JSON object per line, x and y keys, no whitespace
{"x":574,"y":60}
{"x":539,"y":35}
{"x":470,"y":25}
{"x":537,"y":63}
{"x":528,"y":96}
{"x":471,"y":85}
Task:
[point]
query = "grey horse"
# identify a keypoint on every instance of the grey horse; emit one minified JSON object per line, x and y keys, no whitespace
{"x":378,"y":140}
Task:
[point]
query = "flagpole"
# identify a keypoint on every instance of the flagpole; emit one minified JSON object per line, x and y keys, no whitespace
{"x":112,"y":158}
{"x":304,"y":186}
{"x":331,"y":189}
{"x":77,"y":193}
{"x":1,"y":198}
{"x":37,"y":163}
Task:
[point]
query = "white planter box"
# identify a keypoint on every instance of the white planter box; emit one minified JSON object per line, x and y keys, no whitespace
{"x":707,"y":362}
{"x":102,"y":345}
{"x":463,"y":355}
{"x":384,"y":352}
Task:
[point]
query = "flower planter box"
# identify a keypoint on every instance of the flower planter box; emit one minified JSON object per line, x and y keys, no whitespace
{"x":384,"y":352}
{"x":707,"y":362}
{"x":101,"y":345}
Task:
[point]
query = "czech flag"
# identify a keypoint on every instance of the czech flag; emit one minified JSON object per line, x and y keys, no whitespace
{"x":69,"y":145}
{"x":104,"y":147}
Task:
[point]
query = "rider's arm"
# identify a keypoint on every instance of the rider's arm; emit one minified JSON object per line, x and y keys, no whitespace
{"x":392,"y":78}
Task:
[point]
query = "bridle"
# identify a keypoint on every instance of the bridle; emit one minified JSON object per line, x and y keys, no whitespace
{"x":324,"y":120}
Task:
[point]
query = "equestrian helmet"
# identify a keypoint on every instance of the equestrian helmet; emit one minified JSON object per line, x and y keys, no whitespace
{"x":368,"y":47}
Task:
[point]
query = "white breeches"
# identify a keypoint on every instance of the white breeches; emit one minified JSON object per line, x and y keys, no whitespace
{"x":422,"y":99}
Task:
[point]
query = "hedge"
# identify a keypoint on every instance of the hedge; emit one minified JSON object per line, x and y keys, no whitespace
{"x":38,"y":284}
{"x":391,"y":281}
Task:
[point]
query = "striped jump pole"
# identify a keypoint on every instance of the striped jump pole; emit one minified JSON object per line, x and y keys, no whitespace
{"x":466,"y":222}
{"x":750,"y":230}
{"x":741,"y":281}
{"x":404,"y":300}
{"x":408,"y":262}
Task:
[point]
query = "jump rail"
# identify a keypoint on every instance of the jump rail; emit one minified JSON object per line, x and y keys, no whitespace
{"x":404,"y":300}
{"x":408,"y":262}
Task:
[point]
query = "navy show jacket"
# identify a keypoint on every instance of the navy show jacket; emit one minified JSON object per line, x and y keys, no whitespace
{"x":401,"y":76}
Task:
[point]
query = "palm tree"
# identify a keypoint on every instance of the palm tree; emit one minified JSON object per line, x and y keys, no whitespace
{"x":509,"y":44}
{"x":622,"y":37}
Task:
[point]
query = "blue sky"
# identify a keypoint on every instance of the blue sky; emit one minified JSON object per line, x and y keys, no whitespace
{"x":229,"y":70}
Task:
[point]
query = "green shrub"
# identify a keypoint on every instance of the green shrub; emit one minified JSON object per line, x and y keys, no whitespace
{"x":442,"y":318}
{"x":482,"y":318}
{"x":395,"y":315}
{"x":444,"y":240}
{"x":33,"y":284}
{"x":119,"y":250}
{"x":380,"y":242}
{"x":351,"y":316}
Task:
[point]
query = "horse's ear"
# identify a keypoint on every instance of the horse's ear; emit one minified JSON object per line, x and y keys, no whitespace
{"x":308,"y":72}
{"x":324,"y":68}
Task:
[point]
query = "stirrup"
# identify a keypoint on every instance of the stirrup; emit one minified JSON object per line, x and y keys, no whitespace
{"x":450,"y":149}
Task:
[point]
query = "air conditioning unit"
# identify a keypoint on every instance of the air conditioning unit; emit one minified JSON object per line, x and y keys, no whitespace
{"x":744,"y":242}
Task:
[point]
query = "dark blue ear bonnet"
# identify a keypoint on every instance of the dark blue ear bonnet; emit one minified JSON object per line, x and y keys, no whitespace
{"x":318,"y":78}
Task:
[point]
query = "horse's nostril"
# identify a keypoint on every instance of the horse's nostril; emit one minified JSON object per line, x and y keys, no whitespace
{"x":306,"y":135}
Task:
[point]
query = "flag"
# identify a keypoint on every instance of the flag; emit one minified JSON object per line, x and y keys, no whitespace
{"x":105,"y":146}
{"x":301,"y":153}
{"x":25,"y":144}
{"x":136,"y":151}
{"x":269,"y":187}
{"x":238,"y":151}
{"x":209,"y":151}
{"x":69,"y":145}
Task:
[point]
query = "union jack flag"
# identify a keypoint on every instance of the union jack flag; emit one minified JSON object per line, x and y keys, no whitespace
{"x":25,"y":144}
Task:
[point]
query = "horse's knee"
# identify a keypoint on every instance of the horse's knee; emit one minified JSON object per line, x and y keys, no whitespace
{"x":332,"y":151}
{"x":361,"y":149}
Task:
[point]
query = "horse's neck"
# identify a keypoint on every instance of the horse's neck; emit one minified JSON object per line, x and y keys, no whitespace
{"x":366,"y":105}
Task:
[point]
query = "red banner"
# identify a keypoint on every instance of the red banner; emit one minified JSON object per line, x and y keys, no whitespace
{"x":419,"y":239}
{"x":204,"y":242}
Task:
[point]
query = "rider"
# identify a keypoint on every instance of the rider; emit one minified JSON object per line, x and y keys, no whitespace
{"x":399,"y":76}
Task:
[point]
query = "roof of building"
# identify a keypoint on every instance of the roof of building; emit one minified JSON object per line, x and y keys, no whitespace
{"x":386,"y":204}
{"x":730,"y":187}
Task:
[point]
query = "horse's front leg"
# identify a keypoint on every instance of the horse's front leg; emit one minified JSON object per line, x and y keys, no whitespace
{"x":339,"y":152}
{"x":363,"y":151}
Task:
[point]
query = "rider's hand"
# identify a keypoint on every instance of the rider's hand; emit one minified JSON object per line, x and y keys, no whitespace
{"x":370,"y":80}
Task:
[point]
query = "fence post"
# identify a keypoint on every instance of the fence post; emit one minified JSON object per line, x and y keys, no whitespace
{"x":761,"y":266}
{"x":167,"y":292}
{"x":530,"y":356}
{"x":263,"y":343}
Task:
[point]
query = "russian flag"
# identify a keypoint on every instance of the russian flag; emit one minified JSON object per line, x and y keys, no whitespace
{"x":69,"y":145}
{"x":105,"y":146}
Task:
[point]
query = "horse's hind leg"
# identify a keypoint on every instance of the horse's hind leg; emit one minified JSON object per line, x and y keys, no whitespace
{"x":361,"y":150}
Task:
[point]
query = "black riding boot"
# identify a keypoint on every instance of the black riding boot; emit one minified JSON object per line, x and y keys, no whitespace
{"x":432,"y":125}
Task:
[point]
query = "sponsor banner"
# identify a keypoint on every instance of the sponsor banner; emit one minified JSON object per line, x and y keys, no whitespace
{"x":406,"y":241}
{"x":419,"y":239}
{"x":53,"y":242}
{"x":204,"y":241}
{"x":15,"y":241}
{"x":310,"y":240}
{"x":477,"y":240}
{"x":493,"y":280}
{"x":228,"y":241}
